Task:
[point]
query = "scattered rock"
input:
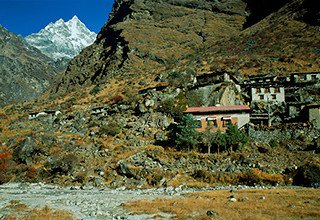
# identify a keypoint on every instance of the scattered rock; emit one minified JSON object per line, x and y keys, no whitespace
{"x":243,"y":199}
{"x":124,"y":169}
{"x":211,"y":213}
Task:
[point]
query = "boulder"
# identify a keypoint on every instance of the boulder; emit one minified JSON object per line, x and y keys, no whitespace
{"x":25,"y":151}
{"x":308,"y":175}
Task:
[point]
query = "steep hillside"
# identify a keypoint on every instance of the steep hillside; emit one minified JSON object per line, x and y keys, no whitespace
{"x":62,"y":40}
{"x":25,"y":71}
{"x":239,"y":36}
{"x":114,"y":118}
{"x":284,"y":41}
{"x":145,"y":36}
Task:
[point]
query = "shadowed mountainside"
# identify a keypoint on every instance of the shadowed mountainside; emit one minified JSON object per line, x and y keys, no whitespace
{"x":25,"y":71}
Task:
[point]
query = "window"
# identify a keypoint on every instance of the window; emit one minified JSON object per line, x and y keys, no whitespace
{"x":273,"y":97}
{"x":197,"y":123}
{"x":258,"y":90}
{"x":212,"y":122}
{"x":261,"y":97}
{"x":277,"y":90}
{"x":267,"y":90}
{"x":226,"y":121}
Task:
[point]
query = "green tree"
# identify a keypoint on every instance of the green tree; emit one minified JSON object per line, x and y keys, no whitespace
{"x":220,"y":141}
{"x":186,"y":136}
{"x":235,"y":138}
{"x":214,"y":139}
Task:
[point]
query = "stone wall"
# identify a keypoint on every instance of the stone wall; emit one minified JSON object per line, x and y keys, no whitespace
{"x":293,"y":132}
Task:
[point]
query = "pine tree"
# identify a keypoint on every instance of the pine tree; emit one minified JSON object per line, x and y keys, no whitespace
{"x":187,"y":137}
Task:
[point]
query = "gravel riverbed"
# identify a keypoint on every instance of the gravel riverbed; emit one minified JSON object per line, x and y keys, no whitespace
{"x":87,"y":203}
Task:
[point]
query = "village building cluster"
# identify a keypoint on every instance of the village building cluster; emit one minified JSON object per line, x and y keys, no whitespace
{"x":278,"y":97}
{"x":267,"y":100}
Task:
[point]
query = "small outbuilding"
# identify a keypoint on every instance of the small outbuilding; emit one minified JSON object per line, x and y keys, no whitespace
{"x":35,"y":115}
{"x":305,"y":77}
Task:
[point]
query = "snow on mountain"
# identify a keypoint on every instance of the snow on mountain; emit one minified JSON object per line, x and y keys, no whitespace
{"x":62,"y":40}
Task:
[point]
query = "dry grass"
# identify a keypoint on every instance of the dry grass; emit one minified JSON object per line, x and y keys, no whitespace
{"x":19,"y":211}
{"x":251,"y":204}
{"x":48,"y":214}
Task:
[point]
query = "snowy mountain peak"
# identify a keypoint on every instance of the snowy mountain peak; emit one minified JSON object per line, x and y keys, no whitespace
{"x":60,"y":21}
{"x":75,"y":18}
{"x":62,"y":39}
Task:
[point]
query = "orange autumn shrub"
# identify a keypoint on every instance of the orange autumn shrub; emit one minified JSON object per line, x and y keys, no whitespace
{"x":6,"y":164}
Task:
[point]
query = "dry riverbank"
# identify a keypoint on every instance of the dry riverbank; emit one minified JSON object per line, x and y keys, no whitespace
{"x":158,"y":203}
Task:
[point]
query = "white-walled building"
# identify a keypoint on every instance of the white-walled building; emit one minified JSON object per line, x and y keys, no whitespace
{"x":267,"y":94}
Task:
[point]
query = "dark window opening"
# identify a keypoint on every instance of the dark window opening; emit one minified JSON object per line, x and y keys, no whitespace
{"x":226,"y":122}
{"x":212,"y":123}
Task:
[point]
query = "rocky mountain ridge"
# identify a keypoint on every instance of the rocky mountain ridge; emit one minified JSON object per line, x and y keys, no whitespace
{"x":25,"y":71}
{"x":62,"y":40}
{"x":242,"y":36}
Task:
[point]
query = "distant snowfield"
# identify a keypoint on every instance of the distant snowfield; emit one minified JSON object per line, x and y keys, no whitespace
{"x":62,"y":40}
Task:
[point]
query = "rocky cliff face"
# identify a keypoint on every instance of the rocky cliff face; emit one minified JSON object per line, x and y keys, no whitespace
{"x":25,"y":71}
{"x":62,"y":40}
{"x":242,"y":36}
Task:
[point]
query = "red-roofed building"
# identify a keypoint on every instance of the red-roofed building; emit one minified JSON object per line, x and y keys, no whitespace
{"x":219,"y":117}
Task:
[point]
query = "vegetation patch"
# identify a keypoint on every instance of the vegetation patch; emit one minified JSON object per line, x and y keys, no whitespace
{"x":19,"y":211}
{"x":248,"y":204}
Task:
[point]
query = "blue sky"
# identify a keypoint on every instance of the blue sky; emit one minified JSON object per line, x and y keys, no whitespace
{"x":29,"y":16}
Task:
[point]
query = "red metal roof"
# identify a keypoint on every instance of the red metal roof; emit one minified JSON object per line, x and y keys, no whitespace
{"x":234,"y":108}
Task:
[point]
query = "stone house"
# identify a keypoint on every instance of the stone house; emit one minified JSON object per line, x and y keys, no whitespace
{"x":51,"y":114}
{"x":264,"y":88}
{"x":219,"y":117}
{"x":305,"y":77}
{"x":205,"y":79}
{"x":267,"y":93}
{"x":260,"y":79}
